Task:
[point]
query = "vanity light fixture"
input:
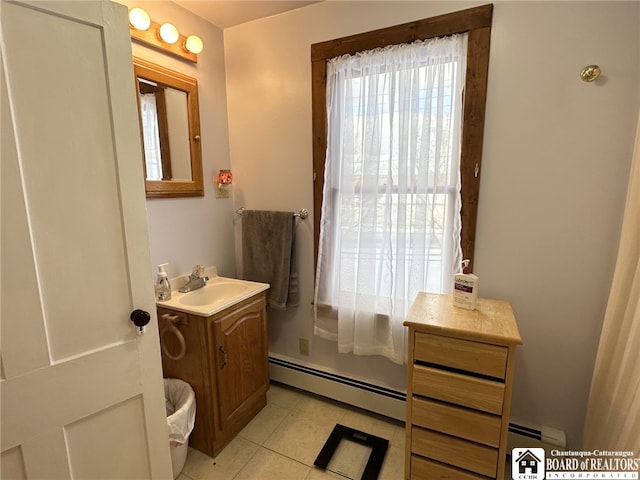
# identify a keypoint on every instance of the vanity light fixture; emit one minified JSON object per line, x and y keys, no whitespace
{"x":168,"y":33}
{"x":224,"y":180}
{"x":165,"y":37}
{"x":194,"y":44}
{"x":139,"y":19}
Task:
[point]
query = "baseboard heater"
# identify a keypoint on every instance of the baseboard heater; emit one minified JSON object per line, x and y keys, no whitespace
{"x":389,"y":402}
{"x":318,"y":380}
{"x":526,"y":435}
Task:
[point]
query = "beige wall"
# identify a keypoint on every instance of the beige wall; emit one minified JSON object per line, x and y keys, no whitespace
{"x":555,"y":169}
{"x":188,"y":231}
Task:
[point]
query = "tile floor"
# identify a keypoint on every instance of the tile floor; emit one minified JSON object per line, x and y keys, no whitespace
{"x":283,"y":440}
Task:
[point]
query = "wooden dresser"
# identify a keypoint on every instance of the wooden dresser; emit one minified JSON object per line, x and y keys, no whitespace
{"x":459,"y":388}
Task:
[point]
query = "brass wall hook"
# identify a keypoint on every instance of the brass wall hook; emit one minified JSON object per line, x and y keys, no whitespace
{"x":590,"y":73}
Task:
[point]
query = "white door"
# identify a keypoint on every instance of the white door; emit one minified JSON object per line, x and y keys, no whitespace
{"x":82,"y":394}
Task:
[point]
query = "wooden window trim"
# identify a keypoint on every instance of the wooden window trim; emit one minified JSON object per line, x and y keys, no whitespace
{"x":474,"y":21}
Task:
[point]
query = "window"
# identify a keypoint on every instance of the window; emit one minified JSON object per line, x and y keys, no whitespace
{"x":151,"y":136}
{"x":393,"y":198}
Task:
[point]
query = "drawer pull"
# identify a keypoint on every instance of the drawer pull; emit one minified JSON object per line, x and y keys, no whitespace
{"x":225,"y":357}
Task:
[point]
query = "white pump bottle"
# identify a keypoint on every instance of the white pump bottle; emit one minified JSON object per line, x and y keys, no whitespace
{"x":163,"y":288}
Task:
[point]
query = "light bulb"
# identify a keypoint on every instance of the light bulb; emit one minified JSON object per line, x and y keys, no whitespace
{"x":139,"y":19}
{"x":169,"y":33}
{"x":193,"y":44}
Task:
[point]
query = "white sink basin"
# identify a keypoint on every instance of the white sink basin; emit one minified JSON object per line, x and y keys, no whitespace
{"x":218,"y":294}
{"x":213,"y":293}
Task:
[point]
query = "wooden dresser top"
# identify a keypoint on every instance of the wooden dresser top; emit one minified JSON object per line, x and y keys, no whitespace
{"x":492,"y":321}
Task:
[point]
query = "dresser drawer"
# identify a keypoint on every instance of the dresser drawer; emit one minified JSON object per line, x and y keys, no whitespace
{"x":460,"y":422}
{"x":454,"y":451}
{"x":466,"y":355}
{"x":478,"y":393}
{"x":424,"y":469}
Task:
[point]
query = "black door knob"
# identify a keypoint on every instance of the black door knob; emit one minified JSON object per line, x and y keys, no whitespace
{"x":140,"y":318}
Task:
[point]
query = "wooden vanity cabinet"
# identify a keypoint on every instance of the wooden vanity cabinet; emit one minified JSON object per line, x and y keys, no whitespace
{"x":459,"y":388}
{"x":224,"y":358}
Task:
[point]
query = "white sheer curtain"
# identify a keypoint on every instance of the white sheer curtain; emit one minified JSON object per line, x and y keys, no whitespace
{"x":613,"y":413}
{"x":151,"y":136}
{"x":391,"y":208}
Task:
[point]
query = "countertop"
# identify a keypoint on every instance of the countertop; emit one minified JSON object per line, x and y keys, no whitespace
{"x":492,"y":321}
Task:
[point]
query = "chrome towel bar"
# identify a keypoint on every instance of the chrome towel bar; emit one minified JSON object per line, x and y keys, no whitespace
{"x":303,"y":213}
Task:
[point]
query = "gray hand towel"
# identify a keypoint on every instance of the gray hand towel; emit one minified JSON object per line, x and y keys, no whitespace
{"x":268,"y":254}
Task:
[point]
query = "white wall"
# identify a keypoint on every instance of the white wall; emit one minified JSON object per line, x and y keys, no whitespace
{"x":188,"y":231}
{"x":553,"y":193}
{"x":555,"y":168}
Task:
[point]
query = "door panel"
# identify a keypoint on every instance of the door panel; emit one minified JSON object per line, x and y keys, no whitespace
{"x":82,"y":394}
{"x":60,"y":172}
{"x":123,"y":421}
{"x":28,"y":349}
{"x":13,"y":464}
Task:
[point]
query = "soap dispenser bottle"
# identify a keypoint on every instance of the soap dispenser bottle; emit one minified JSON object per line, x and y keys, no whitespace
{"x":465,"y":288}
{"x":163,"y":288}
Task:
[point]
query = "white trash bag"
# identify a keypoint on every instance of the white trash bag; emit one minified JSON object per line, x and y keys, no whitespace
{"x":181,"y":410}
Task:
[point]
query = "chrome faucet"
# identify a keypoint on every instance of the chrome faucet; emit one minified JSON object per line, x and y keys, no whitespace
{"x":197,"y":280}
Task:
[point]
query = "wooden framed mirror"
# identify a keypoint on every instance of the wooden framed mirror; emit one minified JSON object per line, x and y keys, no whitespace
{"x":169,"y":130}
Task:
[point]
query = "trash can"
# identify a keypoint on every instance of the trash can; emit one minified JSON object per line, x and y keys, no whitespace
{"x":180,"y":401}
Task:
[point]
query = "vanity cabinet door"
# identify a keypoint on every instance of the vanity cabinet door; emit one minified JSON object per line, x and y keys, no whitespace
{"x":241,"y":361}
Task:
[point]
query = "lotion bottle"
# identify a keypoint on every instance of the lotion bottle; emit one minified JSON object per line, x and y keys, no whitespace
{"x":163,"y":288}
{"x":465,"y":288}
